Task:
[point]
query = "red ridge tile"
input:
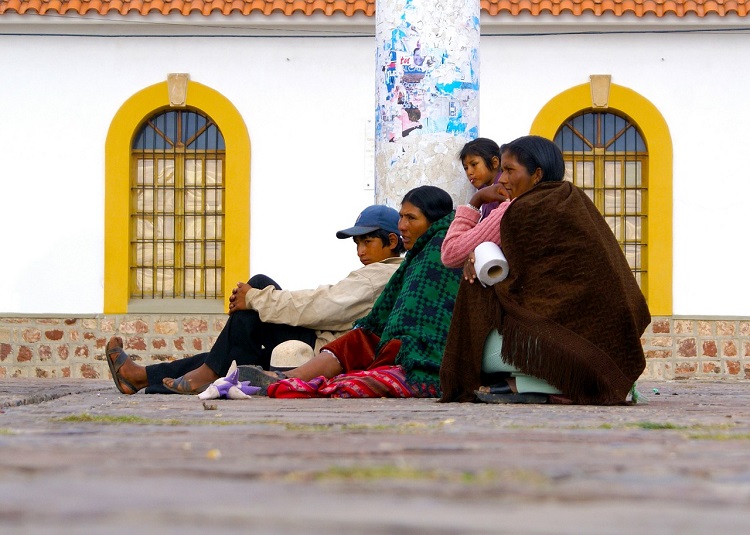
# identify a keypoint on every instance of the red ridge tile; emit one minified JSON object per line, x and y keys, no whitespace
{"x":639,"y":8}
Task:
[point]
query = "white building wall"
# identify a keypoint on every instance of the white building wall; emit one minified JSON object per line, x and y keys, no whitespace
{"x":306,"y":103}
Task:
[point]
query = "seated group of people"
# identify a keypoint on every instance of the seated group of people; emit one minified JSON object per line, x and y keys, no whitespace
{"x":565,"y":322}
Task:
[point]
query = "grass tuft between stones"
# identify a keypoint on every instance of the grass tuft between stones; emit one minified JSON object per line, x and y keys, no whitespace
{"x":137,"y":420}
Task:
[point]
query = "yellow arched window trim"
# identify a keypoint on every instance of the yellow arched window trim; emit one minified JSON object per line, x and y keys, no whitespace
{"x":124,"y":126}
{"x":659,"y":206}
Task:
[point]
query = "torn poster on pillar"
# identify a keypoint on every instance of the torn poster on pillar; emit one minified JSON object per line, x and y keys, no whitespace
{"x":428,"y":72}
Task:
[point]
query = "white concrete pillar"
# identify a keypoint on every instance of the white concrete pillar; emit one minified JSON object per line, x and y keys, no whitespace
{"x":427,"y":95}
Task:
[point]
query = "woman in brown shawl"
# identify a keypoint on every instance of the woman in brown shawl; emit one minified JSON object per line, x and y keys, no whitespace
{"x":569,"y":314}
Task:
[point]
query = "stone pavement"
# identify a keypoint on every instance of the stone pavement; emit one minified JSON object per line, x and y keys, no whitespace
{"x":78,"y":457}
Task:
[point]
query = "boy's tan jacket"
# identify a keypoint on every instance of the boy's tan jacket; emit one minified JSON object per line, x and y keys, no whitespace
{"x":329,"y":309}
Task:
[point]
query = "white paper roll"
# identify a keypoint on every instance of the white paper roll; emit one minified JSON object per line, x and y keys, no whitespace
{"x":490,"y":263}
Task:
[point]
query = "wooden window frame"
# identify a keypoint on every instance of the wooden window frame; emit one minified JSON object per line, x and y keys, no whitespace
{"x":175,"y":248}
{"x":599,"y":150}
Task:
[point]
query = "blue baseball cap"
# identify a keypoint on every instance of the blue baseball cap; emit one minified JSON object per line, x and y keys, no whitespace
{"x":376,"y":217}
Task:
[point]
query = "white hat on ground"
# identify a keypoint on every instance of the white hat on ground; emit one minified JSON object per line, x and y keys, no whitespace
{"x":291,"y":354}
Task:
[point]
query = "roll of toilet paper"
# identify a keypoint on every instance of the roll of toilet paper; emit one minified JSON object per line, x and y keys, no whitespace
{"x":490,"y":263}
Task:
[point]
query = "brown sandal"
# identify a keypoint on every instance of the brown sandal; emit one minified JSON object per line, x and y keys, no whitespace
{"x":182,"y":386}
{"x":114,"y":368}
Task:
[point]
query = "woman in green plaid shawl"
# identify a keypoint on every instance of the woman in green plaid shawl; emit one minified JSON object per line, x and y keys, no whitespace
{"x":396,"y":350}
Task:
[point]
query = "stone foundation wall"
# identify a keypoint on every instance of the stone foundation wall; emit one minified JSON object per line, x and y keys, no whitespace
{"x":697,"y":348}
{"x":73,"y":347}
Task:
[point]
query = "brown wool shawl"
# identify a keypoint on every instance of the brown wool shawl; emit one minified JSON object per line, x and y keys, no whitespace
{"x":570,"y":310}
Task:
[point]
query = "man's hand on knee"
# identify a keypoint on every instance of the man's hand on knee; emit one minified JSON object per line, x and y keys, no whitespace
{"x":237,"y":299}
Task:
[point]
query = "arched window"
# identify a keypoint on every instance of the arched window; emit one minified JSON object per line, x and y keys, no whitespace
{"x":177,"y":208}
{"x":605,"y":155}
{"x":197,"y":156}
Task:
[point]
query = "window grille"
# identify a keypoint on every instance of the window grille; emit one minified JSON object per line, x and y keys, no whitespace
{"x":605,"y":155}
{"x":177,"y":208}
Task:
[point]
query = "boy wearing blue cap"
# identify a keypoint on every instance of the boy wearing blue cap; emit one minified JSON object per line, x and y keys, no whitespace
{"x":262,"y":315}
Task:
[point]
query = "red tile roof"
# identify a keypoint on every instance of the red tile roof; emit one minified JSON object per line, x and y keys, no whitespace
{"x":639,"y":8}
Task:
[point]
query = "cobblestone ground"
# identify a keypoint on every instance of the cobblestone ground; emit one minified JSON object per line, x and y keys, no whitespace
{"x":78,"y":457}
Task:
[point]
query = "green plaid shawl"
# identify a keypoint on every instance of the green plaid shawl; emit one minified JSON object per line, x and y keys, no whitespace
{"x":416,"y":307}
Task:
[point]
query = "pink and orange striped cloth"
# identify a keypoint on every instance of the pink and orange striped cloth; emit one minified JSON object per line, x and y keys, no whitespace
{"x":381,"y":382}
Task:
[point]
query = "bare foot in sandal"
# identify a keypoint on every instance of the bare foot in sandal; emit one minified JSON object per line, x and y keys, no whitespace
{"x":193,"y":382}
{"x":128,"y":376}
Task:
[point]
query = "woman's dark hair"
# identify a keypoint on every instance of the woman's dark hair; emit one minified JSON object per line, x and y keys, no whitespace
{"x":434,"y":202}
{"x":483,"y":147}
{"x":384,"y":236}
{"x":536,"y":152}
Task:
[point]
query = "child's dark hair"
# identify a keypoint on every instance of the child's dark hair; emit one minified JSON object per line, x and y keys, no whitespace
{"x":384,"y":236}
{"x":483,"y":147}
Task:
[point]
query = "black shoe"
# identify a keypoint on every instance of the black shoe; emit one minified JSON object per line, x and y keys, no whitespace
{"x":258,"y":377}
